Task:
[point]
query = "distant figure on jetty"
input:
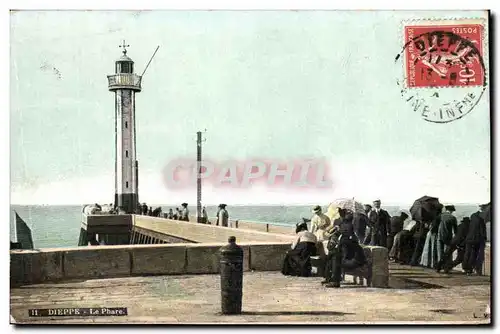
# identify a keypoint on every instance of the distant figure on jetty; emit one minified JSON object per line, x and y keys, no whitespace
{"x":144,"y":209}
{"x":184,"y":212}
{"x":298,"y":260}
{"x":150,"y":211}
{"x":157,"y":212}
{"x":204,"y":216}
{"x":319,"y":223}
{"x":217,"y":216}
{"x":177,"y":214}
{"x":170,"y":214}
{"x":223,"y":216}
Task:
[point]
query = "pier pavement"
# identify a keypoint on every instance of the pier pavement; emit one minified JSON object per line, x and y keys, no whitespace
{"x":415,"y":296}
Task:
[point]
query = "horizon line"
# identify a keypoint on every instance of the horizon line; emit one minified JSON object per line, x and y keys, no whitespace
{"x":215,"y":204}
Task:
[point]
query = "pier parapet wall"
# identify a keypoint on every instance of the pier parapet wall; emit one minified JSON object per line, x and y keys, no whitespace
{"x":57,"y":264}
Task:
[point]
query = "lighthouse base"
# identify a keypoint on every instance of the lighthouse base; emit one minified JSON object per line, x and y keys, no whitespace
{"x":127,"y":202}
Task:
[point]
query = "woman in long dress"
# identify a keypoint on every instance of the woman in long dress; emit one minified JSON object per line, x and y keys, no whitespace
{"x":298,"y":260}
{"x":429,"y":257}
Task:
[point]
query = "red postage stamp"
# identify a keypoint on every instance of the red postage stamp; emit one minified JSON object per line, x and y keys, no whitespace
{"x":444,"y":55}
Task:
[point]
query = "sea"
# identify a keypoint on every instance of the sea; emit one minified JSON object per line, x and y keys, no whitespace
{"x":56,"y":226}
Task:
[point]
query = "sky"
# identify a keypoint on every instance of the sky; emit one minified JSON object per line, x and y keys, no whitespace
{"x":275,"y":85}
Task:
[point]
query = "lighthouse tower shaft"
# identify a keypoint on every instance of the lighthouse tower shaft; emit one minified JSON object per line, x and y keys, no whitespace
{"x":125,"y":84}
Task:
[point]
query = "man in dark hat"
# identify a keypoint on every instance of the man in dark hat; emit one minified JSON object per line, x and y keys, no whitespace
{"x":475,"y":242}
{"x":360,"y":224}
{"x":456,"y":244}
{"x":368,"y":232}
{"x":447,"y":228}
{"x":379,"y":219}
{"x":395,"y":226}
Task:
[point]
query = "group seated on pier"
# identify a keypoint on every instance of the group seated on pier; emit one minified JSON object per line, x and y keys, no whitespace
{"x":429,"y":242}
{"x":343,"y":252}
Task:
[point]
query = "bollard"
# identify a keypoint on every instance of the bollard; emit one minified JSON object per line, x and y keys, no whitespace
{"x":231,"y":277}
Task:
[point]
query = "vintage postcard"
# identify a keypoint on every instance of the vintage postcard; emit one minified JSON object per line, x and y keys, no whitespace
{"x":250,"y":167}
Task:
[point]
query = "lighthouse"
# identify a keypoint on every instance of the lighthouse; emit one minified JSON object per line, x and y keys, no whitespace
{"x":125,"y":84}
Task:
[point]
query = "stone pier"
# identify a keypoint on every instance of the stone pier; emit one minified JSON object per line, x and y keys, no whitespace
{"x":168,"y":273}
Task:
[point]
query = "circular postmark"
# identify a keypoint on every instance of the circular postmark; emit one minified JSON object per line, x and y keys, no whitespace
{"x":444,"y":75}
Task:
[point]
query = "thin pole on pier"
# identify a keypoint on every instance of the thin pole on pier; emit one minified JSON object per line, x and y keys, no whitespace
{"x":198,"y":177}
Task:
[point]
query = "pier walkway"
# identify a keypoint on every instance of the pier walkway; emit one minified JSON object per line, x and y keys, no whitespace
{"x":415,"y":295}
{"x":157,"y":229}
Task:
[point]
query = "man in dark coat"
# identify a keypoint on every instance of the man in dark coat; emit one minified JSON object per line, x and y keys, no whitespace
{"x":404,"y":244}
{"x":380,"y":220}
{"x":368,"y":232}
{"x":395,"y":226}
{"x":344,"y":252}
{"x":476,"y":238}
{"x":339,"y":220}
{"x":457,"y":243}
{"x":447,"y":228}
{"x":346,"y":227}
{"x":360,"y":223}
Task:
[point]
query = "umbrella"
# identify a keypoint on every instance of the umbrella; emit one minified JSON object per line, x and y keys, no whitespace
{"x":346,"y":204}
{"x":332,"y":212}
{"x":425,"y":209}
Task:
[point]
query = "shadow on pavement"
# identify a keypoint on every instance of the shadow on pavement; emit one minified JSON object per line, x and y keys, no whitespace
{"x":443,"y":311}
{"x":275,"y":313}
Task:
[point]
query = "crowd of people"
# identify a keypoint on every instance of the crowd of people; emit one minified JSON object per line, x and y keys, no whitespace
{"x":179,"y":214}
{"x":420,"y":243}
{"x":221,"y":217}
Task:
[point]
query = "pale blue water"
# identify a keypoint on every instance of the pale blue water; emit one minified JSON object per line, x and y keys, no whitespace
{"x":59,"y":226}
